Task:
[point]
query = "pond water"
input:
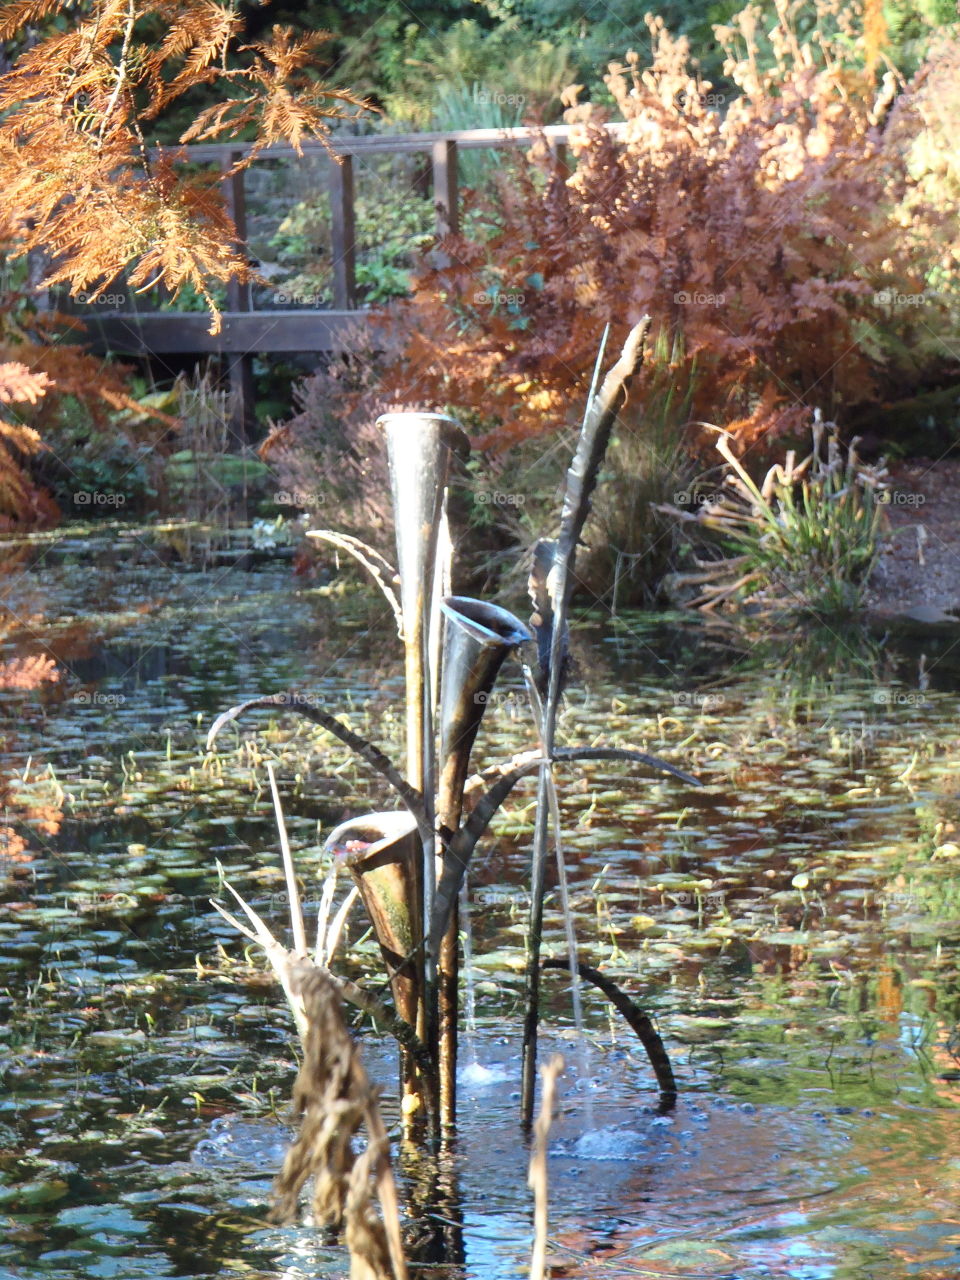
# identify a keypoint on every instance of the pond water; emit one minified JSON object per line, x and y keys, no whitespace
{"x":793,"y":925}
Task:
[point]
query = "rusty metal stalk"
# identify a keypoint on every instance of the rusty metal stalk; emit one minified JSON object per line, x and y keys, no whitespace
{"x":420,"y":450}
{"x":478,"y":637}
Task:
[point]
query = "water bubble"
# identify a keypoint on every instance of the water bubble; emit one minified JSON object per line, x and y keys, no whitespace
{"x":478,"y":1075}
{"x":609,"y":1144}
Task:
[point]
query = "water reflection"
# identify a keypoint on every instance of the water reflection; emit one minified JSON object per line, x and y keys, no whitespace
{"x":794,"y":926}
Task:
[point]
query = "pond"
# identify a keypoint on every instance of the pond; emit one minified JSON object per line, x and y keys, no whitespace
{"x":793,"y":925}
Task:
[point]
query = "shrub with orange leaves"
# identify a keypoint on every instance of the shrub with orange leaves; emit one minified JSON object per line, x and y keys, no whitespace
{"x":17,"y":382}
{"x":40,"y":373}
{"x":764,"y":236}
{"x":17,"y":441}
{"x":28,"y":673}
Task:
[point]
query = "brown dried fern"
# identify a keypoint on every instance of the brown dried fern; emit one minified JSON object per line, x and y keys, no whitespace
{"x":755,"y":230}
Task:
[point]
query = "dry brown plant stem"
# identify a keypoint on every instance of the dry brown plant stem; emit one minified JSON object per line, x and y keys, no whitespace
{"x":335,"y":1098}
{"x":537,"y":1178}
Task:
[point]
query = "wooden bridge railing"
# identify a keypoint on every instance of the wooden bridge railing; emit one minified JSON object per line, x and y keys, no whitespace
{"x":246,"y":331}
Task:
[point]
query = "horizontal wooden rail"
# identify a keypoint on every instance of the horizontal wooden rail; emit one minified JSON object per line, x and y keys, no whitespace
{"x":242,"y":332}
{"x":403,"y":143}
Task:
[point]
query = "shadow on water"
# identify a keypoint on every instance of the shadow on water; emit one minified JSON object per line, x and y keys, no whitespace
{"x":793,"y":926}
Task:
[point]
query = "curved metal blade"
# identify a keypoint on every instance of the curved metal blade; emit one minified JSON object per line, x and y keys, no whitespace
{"x":411,"y":797}
{"x":460,"y":847}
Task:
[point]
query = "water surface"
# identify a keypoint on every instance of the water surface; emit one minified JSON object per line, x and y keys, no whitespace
{"x":793,"y":925}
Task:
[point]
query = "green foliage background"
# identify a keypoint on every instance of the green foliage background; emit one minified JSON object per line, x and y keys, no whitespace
{"x":448,"y":63}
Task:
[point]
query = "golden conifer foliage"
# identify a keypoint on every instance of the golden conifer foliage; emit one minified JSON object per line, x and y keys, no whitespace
{"x":875,"y":34}
{"x":35,"y":807}
{"x":17,"y":382}
{"x":29,"y":672}
{"x":78,"y":178}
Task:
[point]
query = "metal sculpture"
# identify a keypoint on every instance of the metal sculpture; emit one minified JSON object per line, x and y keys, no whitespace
{"x":409,"y":864}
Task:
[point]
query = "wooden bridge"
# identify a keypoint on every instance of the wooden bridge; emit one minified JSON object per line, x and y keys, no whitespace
{"x":246,"y":331}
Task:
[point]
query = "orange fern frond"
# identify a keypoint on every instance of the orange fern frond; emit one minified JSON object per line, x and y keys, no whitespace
{"x":201,"y":39}
{"x":222,"y":118}
{"x":289,"y":53}
{"x":18,"y":383}
{"x":26,"y":13}
{"x":28,"y":673}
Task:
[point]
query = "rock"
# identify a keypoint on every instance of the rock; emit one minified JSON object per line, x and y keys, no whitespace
{"x":930,"y":614}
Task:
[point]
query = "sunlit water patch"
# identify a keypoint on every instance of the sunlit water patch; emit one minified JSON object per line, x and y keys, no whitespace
{"x":715,"y":1187}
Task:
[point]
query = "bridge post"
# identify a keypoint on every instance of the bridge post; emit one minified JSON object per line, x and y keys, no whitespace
{"x":239,"y":298}
{"x":446,"y":191}
{"x":561,"y":152}
{"x":343,"y":234}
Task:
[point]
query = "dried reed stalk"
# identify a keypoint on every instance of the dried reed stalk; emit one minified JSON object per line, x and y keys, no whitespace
{"x":537,"y":1178}
{"x":335,"y":1098}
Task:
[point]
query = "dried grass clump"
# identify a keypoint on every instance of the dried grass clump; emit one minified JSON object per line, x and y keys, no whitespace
{"x":804,"y":540}
{"x":335,"y":1098}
